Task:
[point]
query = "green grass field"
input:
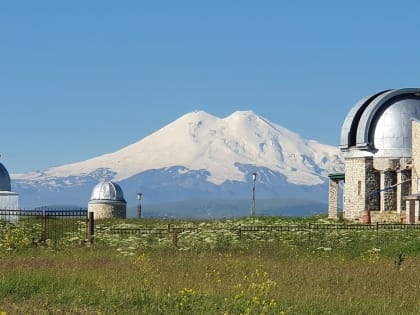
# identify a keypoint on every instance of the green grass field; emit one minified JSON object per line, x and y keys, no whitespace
{"x":213,"y":271}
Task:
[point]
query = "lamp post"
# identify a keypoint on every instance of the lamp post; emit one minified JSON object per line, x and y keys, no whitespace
{"x":254,"y":178}
{"x":139,"y":195}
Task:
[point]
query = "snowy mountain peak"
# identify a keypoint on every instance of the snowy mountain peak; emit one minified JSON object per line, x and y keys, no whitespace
{"x":244,"y":114}
{"x":197,"y":115}
{"x":199,"y":141}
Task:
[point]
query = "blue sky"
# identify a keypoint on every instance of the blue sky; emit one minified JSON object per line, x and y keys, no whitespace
{"x":83,"y":78}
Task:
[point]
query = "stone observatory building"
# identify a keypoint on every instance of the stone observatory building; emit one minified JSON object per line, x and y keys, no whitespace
{"x":380,"y":140}
{"x":107,"y":201}
{"x":8,"y":200}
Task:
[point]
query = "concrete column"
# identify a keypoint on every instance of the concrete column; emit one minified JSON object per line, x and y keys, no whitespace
{"x":382,"y":192}
{"x":399,"y":195}
{"x":333,"y":200}
{"x":416,"y":211}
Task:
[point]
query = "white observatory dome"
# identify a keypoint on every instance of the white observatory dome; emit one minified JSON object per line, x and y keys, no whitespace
{"x":380,"y":124}
{"x":107,"y":191}
{"x":4,"y":179}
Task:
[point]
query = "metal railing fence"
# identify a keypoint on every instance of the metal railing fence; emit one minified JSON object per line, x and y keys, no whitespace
{"x":42,"y":225}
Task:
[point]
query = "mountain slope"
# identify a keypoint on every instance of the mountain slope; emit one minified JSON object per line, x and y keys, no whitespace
{"x":197,"y":154}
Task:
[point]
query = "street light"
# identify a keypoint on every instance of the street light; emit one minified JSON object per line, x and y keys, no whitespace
{"x":139,"y":195}
{"x":254,"y":178}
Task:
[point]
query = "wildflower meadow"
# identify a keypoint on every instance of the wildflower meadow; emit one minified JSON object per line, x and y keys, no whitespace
{"x":210,"y":267}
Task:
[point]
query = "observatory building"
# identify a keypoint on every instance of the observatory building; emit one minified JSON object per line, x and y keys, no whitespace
{"x":107,"y":201}
{"x":380,"y":141}
{"x":8,"y":200}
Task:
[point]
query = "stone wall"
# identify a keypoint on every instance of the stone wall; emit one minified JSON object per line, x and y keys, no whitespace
{"x":372,"y":186}
{"x":333,"y":200}
{"x":108,"y":210}
{"x":386,"y":217}
{"x":354,"y":188}
{"x":405,"y":187}
{"x":415,"y":153}
{"x":393,"y":172}
{"x":390,"y":195}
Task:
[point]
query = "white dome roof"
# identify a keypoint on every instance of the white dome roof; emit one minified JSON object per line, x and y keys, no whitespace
{"x":4,"y":179}
{"x":107,"y":190}
{"x":380,"y":124}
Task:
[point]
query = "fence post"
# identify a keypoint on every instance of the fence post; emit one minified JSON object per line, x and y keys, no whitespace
{"x":175,"y":238}
{"x":44,"y":227}
{"x":309,"y":231}
{"x":91,"y":227}
{"x":240,"y":231}
{"x":377,"y":228}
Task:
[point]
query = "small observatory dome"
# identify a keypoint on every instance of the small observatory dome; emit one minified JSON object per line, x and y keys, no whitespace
{"x":8,"y":200}
{"x":5,"y":184}
{"x":107,"y":201}
{"x":107,"y":190}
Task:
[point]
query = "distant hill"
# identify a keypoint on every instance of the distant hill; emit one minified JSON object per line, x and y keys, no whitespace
{"x":207,"y":209}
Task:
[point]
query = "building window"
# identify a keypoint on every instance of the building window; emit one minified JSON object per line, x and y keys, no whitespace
{"x":359,"y":187}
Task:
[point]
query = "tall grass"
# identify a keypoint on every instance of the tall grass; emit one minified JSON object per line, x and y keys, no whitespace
{"x":348,"y":272}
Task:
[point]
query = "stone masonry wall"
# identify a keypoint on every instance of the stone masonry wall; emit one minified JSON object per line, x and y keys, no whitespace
{"x":354,"y":188}
{"x":333,"y":200}
{"x":405,"y":187}
{"x":103,"y":210}
{"x":415,"y":153}
{"x":390,"y":195}
{"x":372,"y":185}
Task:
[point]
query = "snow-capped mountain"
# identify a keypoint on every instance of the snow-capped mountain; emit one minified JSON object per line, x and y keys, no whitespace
{"x":195,"y":156}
